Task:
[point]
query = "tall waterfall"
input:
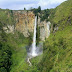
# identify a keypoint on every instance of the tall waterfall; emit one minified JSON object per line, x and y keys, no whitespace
{"x":34,"y":50}
{"x":34,"y":53}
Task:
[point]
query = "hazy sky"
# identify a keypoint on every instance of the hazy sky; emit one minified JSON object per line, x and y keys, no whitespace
{"x":20,"y":4}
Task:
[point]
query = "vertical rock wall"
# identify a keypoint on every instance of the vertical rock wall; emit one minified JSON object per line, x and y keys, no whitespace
{"x":44,"y":29}
{"x":24,"y":21}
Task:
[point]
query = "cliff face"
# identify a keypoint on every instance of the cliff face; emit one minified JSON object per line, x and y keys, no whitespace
{"x":24,"y":22}
{"x":44,"y":29}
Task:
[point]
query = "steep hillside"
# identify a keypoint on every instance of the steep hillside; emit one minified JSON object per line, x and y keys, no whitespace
{"x":58,"y":52}
{"x":61,"y":16}
{"x":6,"y":17}
{"x":58,"y":47}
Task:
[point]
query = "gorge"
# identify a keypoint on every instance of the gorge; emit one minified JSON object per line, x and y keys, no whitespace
{"x":36,"y":40}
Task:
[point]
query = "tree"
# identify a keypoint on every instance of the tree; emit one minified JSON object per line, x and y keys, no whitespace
{"x":39,"y":9}
{"x":24,"y":8}
{"x":5,"y":57}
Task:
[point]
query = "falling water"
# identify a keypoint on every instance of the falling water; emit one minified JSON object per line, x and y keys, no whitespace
{"x":34,"y":50}
{"x":34,"y":53}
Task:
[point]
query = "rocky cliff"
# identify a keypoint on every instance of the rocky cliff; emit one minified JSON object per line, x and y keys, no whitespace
{"x":44,"y":29}
{"x":24,"y":22}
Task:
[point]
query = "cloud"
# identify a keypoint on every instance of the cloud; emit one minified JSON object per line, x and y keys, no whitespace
{"x":20,"y":4}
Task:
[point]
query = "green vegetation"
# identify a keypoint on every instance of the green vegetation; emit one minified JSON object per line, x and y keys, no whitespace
{"x":61,"y":15}
{"x":44,"y":15}
{"x":12,"y":46}
{"x":57,"y":55}
{"x":57,"y":49}
{"x":36,"y":11}
{"x":12,"y":51}
{"x":24,"y":8}
{"x":5,"y":57}
{"x":6,"y":17}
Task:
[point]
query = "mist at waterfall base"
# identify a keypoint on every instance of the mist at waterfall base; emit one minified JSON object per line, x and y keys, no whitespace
{"x":38,"y":50}
{"x":35,"y":50}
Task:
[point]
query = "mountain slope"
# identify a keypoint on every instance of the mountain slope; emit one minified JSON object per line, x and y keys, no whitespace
{"x":57,"y":56}
{"x":58,"y":47}
{"x":61,"y":16}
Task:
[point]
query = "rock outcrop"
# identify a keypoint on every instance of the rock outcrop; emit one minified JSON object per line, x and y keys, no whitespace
{"x":24,"y":22}
{"x":44,"y":29}
{"x":9,"y":29}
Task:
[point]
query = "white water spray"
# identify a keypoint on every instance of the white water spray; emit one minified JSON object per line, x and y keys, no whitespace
{"x":34,"y":53}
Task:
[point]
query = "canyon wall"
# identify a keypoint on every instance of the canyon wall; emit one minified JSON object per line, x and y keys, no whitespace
{"x":24,"y":23}
{"x":44,"y":29}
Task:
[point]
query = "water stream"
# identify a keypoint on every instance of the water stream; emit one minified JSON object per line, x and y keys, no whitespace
{"x":36,"y":50}
{"x":33,"y":52}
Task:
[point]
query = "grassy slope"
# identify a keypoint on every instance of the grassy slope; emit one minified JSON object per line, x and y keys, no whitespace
{"x":58,"y":52}
{"x":18,"y":48}
{"x":58,"y":47}
{"x":6,"y":17}
{"x":19,"y":52}
{"x":63,"y":12}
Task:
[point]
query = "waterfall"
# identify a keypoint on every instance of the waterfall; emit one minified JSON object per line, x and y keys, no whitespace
{"x":34,"y":53}
{"x":34,"y":50}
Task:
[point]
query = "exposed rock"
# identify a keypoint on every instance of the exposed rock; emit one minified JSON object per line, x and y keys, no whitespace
{"x":24,"y":21}
{"x":9,"y":29}
{"x":44,"y":29}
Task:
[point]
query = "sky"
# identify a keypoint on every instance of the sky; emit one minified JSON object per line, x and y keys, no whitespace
{"x":20,"y":4}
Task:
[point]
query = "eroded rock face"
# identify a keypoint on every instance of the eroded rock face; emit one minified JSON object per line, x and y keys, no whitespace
{"x":25,"y":24}
{"x":24,"y":21}
{"x":9,"y":29}
{"x":44,"y":29}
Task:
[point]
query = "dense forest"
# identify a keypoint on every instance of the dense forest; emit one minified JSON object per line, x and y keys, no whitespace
{"x":57,"y":48}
